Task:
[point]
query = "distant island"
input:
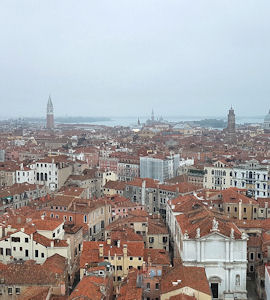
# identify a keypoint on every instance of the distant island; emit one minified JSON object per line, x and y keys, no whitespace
{"x":214,"y":123}
{"x":81,"y":119}
{"x":68,"y":120}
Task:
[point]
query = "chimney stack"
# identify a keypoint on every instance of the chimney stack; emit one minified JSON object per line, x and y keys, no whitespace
{"x":101,"y":250}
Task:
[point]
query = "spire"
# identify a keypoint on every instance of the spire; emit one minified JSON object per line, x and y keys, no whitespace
{"x":153,"y":116}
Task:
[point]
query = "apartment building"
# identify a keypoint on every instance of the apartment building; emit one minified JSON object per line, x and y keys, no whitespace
{"x":252,"y":176}
{"x":52,"y":171}
{"x":122,"y":257}
{"x":159,"y":167}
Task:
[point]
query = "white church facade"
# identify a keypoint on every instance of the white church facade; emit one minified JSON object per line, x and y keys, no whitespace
{"x":203,"y":238}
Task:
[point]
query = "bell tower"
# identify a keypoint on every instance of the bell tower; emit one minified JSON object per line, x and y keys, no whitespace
{"x":50,"y":116}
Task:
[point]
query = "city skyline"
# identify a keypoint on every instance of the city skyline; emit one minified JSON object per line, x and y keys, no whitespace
{"x":113,"y":59}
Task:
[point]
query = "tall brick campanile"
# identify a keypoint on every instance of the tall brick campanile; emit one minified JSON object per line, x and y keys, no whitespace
{"x":231,"y":121}
{"x":50,"y":117}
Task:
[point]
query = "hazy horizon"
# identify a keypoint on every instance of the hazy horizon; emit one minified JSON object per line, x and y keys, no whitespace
{"x":123,"y":58}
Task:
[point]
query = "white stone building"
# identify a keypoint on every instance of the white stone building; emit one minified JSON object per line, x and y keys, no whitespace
{"x":25,"y":175}
{"x":28,"y":244}
{"x":52,"y":172}
{"x":205,"y":238}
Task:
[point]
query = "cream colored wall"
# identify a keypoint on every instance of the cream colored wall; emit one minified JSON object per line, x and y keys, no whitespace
{"x":187,"y":291}
{"x":109,"y":176}
{"x":63,"y":175}
{"x":158,"y":241}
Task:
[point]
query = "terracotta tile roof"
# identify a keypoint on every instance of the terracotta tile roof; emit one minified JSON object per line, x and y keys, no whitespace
{"x":47,"y":224}
{"x":17,"y":189}
{"x":28,"y":274}
{"x":149,"y":183}
{"x":182,"y":297}
{"x":203,"y":218}
{"x":39,"y":238}
{"x":71,"y":191}
{"x":35,"y":293}
{"x":125,"y":234}
{"x":129,"y":289}
{"x":193,"y":277}
{"x":232,"y":195}
{"x":156,"y":256}
{"x":156,"y":226}
{"x":116,"y":185}
{"x":56,"y":264}
{"x":89,"y":287}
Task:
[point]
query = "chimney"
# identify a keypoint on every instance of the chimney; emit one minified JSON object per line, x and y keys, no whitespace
{"x":21,"y":166}
{"x":240,"y":209}
{"x":144,"y":266}
{"x":52,"y":244}
{"x":149,"y":261}
{"x":125,"y":249}
{"x":22,"y":229}
{"x":118,"y":244}
{"x":42,"y":217}
{"x":101,"y":250}
{"x":108,"y":241}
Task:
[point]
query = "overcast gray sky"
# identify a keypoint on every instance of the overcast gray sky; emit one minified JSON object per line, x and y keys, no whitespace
{"x":123,"y":57}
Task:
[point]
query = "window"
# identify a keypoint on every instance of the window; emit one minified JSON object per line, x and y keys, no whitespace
{"x":131,"y":258}
{"x":85,"y":218}
{"x":157,"y":286}
{"x":20,"y":248}
{"x":148,"y":285}
{"x":42,"y":255}
{"x":245,"y":209}
{"x":151,"y":240}
{"x":1,"y":251}
{"x":18,"y":291}
{"x":10,"y":291}
{"x":15,"y":239}
{"x":165,"y":239}
{"x":36,"y":253}
{"x":251,"y":256}
{"x":235,"y":209}
{"x":8,"y":251}
{"x":26,"y":253}
{"x":119,"y":267}
{"x":26,"y":240}
{"x":70,"y":218}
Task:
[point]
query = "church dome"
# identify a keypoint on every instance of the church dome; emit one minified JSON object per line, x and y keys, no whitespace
{"x":267,"y":117}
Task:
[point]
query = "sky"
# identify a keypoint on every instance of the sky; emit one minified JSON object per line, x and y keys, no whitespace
{"x":125,"y":57}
